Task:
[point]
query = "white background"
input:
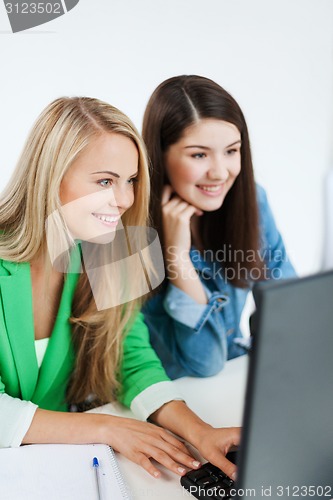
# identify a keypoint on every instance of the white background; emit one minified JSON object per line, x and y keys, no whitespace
{"x":274,"y":57}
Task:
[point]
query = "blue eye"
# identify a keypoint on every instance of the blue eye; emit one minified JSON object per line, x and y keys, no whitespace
{"x":199,"y":155}
{"x":105,"y":182}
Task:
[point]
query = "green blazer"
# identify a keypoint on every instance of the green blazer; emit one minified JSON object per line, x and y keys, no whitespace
{"x":46,"y":387}
{"x":19,"y":373}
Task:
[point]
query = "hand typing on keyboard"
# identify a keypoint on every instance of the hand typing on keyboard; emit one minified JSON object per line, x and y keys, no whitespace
{"x":208,"y":482}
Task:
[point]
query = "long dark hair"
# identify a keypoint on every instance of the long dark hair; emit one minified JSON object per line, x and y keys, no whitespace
{"x":176,"y":104}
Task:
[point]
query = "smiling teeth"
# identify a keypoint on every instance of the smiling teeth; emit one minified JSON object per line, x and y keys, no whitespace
{"x":106,"y":218}
{"x":210,"y":188}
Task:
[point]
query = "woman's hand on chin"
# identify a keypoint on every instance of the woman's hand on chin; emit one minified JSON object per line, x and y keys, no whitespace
{"x":177,"y":215}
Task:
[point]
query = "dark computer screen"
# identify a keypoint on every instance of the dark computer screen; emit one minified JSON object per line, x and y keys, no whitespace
{"x":287,"y":444}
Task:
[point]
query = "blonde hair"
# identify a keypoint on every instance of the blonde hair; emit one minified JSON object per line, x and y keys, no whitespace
{"x":60,"y":133}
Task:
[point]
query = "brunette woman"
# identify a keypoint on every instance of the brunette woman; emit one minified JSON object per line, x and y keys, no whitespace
{"x":216,"y":227}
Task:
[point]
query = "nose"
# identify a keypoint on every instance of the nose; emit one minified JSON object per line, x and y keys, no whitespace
{"x":121,"y":197}
{"x":218,"y":170}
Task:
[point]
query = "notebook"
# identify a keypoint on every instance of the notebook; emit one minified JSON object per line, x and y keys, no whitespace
{"x":60,"y":471}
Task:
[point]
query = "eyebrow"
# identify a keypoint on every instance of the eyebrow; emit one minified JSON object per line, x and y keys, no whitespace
{"x":112,"y":173}
{"x":205,"y":147}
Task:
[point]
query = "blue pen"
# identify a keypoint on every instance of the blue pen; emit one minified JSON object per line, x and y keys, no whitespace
{"x":97,"y":474}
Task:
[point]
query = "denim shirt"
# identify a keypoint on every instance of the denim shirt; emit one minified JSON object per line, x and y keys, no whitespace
{"x":197,"y":339}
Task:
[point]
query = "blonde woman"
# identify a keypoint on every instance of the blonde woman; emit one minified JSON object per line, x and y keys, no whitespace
{"x":65,"y":334}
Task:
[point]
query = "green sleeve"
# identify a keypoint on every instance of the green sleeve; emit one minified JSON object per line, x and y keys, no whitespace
{"x":140,"y":365}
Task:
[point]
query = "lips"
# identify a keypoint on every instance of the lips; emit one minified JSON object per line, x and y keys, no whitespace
{"x":210,"y":188}
{"x":108,"y":219}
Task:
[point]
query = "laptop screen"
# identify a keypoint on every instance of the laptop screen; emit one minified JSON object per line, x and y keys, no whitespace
{"x":287,"y":443}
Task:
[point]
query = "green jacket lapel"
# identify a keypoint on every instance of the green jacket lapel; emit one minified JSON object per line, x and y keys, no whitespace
{"x":18,"y":316}
{"x":16,"y":293}
{"x":59,"y":353}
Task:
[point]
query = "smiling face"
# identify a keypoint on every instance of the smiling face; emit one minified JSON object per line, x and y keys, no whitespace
{"x":203,"y":165}
{"x":98,"y":187}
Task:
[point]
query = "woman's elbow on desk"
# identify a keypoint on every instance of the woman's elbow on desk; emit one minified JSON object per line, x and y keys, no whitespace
{"x":205,"y":363}
{"x":204,"y":370}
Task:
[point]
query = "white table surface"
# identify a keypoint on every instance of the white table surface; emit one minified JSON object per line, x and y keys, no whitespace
{"x":218,"y":400}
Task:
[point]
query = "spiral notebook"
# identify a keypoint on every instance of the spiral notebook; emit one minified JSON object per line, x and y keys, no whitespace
{"x":60,"y":471}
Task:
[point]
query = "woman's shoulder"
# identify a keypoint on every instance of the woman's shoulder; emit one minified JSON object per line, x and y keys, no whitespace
{"x":265,"y":212}
{"x":261,"y":195}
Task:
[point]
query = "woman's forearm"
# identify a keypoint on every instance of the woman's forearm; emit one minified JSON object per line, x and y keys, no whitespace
{"x":179,"y":419}
{"x":140,"y":441}
{"x":136,"y":440}
{"x":60,"y":427}
{"x":213,"y":444}
{"x":78,"y":428}
{"x":183,"y":275}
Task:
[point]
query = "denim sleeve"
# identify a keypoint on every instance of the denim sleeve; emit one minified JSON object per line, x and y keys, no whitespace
{"x":273,"y":249}
{"x":189,"y":338}
{"x":187,"y":311}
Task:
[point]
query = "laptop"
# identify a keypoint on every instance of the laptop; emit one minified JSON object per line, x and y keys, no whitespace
{"x":287,"y":440}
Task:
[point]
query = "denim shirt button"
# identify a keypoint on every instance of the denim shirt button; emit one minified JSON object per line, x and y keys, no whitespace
{"x":230,"y":331}
{"x":220,"y":301}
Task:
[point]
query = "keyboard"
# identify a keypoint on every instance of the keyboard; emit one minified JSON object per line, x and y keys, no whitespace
{"x":208,"y":482}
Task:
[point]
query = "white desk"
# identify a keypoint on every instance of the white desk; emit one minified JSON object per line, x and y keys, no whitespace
{"x":218,"y":400}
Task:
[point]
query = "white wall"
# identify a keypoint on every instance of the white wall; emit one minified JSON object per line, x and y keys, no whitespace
{"x":275,"y":57}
